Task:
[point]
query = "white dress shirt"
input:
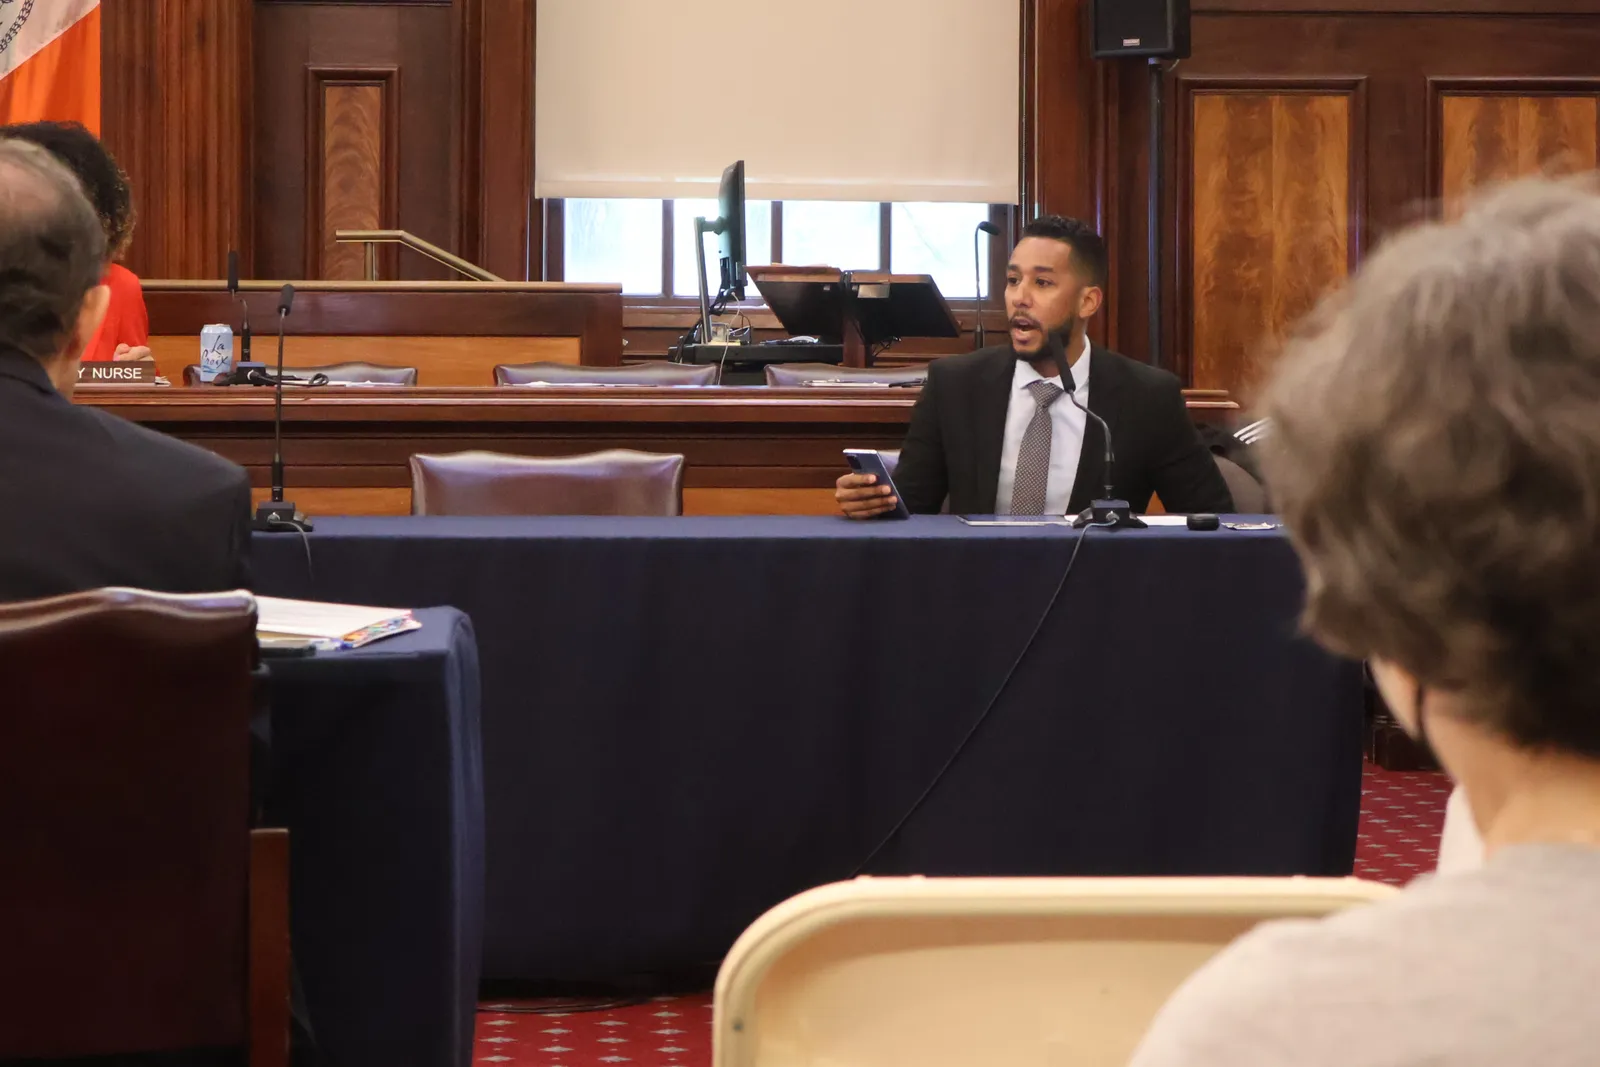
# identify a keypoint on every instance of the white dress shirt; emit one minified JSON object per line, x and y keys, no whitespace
{"x":1066,"y":434}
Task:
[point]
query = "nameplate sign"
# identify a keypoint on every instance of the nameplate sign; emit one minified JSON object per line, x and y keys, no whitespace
{"x":118,"y":372}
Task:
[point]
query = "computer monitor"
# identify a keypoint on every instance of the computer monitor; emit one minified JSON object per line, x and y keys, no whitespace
{"x":729,"y":227}
{"x":730,"y":205}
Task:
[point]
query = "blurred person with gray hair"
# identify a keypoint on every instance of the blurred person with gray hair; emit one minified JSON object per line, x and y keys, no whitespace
{"x":1435,"y":455}
{"x":99,"y":501}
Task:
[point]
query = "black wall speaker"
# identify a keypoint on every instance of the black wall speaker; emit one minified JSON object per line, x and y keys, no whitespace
{"x":1158,"y":28}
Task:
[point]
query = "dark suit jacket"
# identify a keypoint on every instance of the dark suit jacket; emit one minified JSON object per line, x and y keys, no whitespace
{"x":952,"y":448}
{"x":90,"y":500}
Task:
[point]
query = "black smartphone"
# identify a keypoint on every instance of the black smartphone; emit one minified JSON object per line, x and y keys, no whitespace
{"x":867,"y":461}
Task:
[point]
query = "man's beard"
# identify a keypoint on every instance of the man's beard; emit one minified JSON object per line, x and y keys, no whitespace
{"x":1066,"y":330}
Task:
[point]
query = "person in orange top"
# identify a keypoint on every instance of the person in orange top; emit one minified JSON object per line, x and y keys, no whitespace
{"x":125,"y":331}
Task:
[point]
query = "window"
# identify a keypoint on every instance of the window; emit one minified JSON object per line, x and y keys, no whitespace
{"x":757,"y":243}
{"x":832,"y":234}
{"x":615,"y":241}
{"x":648,"y":245}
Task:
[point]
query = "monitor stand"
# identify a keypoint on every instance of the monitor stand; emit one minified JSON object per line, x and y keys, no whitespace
{"x":701,"y":228}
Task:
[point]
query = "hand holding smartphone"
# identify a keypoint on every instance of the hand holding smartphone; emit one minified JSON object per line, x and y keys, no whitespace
{"x":868,"y":461}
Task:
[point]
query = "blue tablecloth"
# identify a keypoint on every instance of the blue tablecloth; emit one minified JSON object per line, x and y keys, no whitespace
{"x":378,"y":774}
{"x":688,"y":720}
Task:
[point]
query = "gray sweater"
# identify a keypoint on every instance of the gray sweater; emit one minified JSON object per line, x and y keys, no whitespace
{"x":1486,"y":968}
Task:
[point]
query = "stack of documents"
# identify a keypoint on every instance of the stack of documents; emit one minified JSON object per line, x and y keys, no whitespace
{"x":329,"y":626}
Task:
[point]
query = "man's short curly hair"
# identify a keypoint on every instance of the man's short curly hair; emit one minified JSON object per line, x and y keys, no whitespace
{"x":1436,"y":457}
{"x":102,"y":179}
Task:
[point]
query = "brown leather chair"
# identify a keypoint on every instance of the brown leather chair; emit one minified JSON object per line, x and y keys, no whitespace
{"x":616,"y":482}
{"x":655,"y":373}
{"x":783,"y":375}
{"x":348,"y":373}
{"x":138,"y":913}
{"x":1249,"y":497}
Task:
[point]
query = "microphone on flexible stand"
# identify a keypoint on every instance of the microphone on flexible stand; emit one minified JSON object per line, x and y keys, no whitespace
{"x":977,"y":272}
{"x":279,"y":515}
{"x":1108,"y":512}
{"x":233,"y":291}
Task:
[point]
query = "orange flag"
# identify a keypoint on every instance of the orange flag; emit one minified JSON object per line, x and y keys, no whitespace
{"x":50,"y":61}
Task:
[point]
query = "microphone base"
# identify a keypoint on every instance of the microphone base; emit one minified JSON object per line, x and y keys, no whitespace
{"x":243,"y":373}
{"x":280,"y":517}
{"x":1110,"y":514}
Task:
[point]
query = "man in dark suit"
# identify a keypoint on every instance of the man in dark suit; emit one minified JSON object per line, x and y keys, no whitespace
{"x":90,"y":500}
{"x":995,"y":433}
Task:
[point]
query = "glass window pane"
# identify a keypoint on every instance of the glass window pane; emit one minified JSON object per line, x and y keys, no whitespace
{"x":936,"y":239}
{"x":757,"y":241}
{"x":820,"y":233}
{"x":615,"y":241}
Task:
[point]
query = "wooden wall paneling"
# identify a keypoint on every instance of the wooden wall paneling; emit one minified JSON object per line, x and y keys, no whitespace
{"x":440,"y":361}
{"x":351,"y":167}
{"x":1393,"y":48}
{"x":1064,"y":132}
{"x":1269,"y":218}
{"x":1485,"y":130}
{"x":374,"y":311}
{"x":1060,"y":94}
{"x":1400,"y":7}
{"x":412,"y":46}
{"x":501,"y":222}
{"x":176,"y":112}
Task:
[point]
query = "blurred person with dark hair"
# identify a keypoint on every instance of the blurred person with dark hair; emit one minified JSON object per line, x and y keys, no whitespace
{"x":993,"y":431}
{"x":96,"y":500}
{"x":125,"y":331}
{"x":1435,"y":454}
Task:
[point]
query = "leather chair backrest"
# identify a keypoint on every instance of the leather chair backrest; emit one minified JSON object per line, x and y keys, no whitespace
{"x":792,"y":374}
{"x":124,"y":822}
{"x":358,"y":373}
{"x":656,"y":373}
{"x":616,"y":482}
{"x":1249,"y":496}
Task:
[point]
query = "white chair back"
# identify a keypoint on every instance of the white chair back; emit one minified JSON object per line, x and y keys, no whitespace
{"x":1025,"y":972}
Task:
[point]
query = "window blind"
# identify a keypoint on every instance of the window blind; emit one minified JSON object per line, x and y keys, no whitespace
{"x":887,"y":100}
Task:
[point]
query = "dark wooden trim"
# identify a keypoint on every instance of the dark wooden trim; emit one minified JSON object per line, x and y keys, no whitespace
{"x":1061,"y":96}
{"x":669,"y":215}
{"x":269,"y":948}
{"x":470,"y":223}
{"x":501,"y":221}
{"x":1396,"y":7}
{"x":777,"y":232}
{"x":1180,"y":260}
{"x":1441,"y":87}
{"x":318,"y":78}
{"x":885,"y":236}
{"x":555,"y":240}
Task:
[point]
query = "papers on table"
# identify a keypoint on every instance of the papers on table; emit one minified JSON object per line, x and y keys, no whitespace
{"x":1016,"y":520}
{"x":1050,"y":520}
{"x":329,"y":626}
{"x":840,"y":383}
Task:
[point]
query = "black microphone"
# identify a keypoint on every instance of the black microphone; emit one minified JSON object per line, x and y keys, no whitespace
{"x":233,"y":291}
{"x":977,"y":271}
{"x":278,"y":514}
{"x":1108,"y":511}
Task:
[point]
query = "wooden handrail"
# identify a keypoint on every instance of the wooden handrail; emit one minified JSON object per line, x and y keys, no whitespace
{"x":373,"y":238}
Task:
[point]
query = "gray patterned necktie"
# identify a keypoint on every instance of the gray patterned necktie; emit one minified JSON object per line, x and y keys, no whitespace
{"x":1033,"y":458}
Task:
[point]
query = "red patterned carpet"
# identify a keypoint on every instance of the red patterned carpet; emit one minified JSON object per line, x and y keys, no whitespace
{"x":1401,"y":815}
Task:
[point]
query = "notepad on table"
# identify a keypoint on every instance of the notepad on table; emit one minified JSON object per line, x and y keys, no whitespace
{"x":329,"y":626}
